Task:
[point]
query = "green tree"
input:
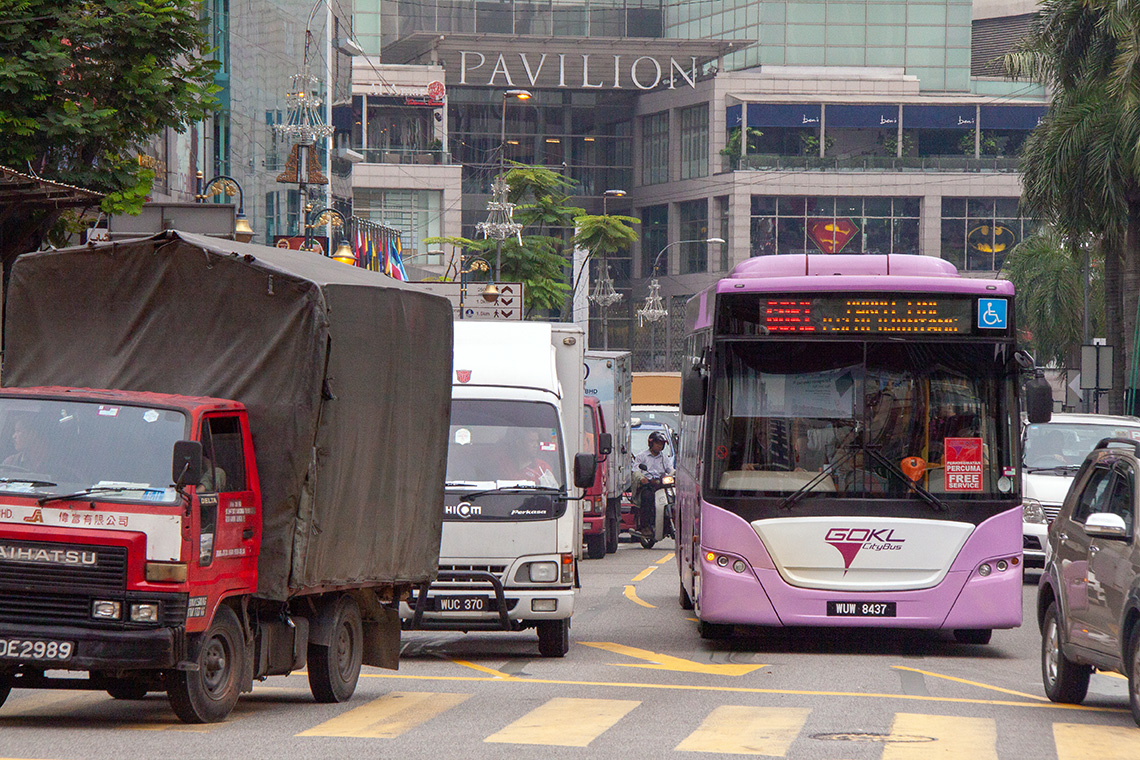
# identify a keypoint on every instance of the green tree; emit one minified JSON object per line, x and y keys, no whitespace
{"x":84,"y":83}
{"x":731,"y":148}
{"x":1050,"y":295}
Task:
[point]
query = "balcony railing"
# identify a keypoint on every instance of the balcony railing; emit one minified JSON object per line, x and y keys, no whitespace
{"x":772,"y":162}
{"x":404,"y":156}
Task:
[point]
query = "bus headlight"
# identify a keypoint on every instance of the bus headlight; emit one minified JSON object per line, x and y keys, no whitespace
{"x":1031,"y":512}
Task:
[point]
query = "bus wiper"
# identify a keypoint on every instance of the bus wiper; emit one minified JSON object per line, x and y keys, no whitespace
{"x":1055,"y":468}
{"x":510,"y":489}
{"x":791,"y":499}
{"x":458,"y":484}
{"x":28,"y":481}
{"x":894,"y":469}
{"x":87,"y":492}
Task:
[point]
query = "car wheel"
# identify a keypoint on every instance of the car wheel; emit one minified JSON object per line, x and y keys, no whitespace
{"x":1064,"y":680}
{"x":1134,"y":674}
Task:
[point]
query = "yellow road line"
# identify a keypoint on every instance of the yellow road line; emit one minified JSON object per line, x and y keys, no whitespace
{"x":972,"y":683}
{"x":666,"y":558}
{"x":1111,"y":674}
{"x":736,"y":730}
{"x":644,"y":573}
{"x":389,"y":716}
{"x":658,"y":661}
{"x":565,"y":722}
{"x":1077,"y":741}
{"x":631,"y":594}
{"x":920,"y":737}
{"x":483,"y":669}
{"x":748,"y":690}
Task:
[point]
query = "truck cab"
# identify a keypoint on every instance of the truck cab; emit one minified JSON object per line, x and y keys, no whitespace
{"x":595,"y":518}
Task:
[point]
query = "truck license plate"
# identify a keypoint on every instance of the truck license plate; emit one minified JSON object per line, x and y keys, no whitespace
{"x":461,"y":603}
{"x":35,"y":649}
{"x":861,"y":609}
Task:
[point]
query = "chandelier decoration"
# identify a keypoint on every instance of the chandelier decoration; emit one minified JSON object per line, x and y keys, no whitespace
{"x":604,"y":293}
{"x":500,"y":223}
{"x":654,"y":308}
{"x":303,"y":119}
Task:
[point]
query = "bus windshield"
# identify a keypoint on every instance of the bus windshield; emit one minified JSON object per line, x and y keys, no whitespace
{"x":860,"y":419}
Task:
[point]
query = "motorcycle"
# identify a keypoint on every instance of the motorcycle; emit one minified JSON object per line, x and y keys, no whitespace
{"x":663,"y":496}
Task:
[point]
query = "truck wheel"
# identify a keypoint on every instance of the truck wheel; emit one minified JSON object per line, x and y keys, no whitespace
{"x":335,"y":669}
{"x":973,"y":635}
{"x":554,"y":637}
{"x":5,"y":688}
{"x":1064,"y":680}
{"x":128,"y":689}
{"x":596,"y":546}
{"x":684,"y":598}
{"x":208,"y":694}
{"x":613,"y":528}
{"x":1133,"y":663}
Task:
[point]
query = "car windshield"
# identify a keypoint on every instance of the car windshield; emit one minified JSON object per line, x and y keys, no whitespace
{"x":499,"y":444}
{"x":1054,"y":445}
{"x":53,"y":447}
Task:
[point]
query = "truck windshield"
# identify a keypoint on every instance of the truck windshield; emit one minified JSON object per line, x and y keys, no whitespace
{"x":51,"y":447}
{"x":498,"y":444}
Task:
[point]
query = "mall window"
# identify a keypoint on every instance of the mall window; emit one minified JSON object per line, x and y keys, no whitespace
{"x":654,"y":238}
{"x":827,"y":224}
{"x":978,"y":233}
{"x":655,"y":149}
{"x":694,"y":141}
{"x":694,"y":230}
{"x":722,"y":217}
{"x":415,"y":213}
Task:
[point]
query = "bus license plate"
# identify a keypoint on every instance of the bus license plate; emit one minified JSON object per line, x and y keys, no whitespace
{"x":36,"y":649}
{"x":861,"y":609}
{"x":461,"y":603}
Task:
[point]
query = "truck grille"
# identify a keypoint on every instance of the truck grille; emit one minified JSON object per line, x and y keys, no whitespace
{"x":47,"y":591}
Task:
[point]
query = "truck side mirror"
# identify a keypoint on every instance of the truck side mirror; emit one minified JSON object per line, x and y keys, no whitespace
{"x":585,"y":467}
{"x":1038,"y":400}
{"x":605,"y":443}
{"x":187,"y":467}
{"x":694,"y":390}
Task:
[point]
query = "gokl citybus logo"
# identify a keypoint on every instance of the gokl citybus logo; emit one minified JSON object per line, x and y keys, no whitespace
{"x":850,"y":541}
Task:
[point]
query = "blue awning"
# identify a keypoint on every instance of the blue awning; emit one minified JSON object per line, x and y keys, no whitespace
{"x":1011,"y":117}
{"x":939,"y":117}
{"x":885,"y":115}
{"x":777,"y":115}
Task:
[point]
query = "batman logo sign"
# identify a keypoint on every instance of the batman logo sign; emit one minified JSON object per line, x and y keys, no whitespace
{"x":991,"y":238}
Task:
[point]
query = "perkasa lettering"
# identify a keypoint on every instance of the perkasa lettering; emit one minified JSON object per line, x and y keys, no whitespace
{"x":850,"y":541}
{"x":48,"y":556}
{"x":644,"y":72}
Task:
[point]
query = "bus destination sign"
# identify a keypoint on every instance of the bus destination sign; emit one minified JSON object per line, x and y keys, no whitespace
{"x":918,"y":314}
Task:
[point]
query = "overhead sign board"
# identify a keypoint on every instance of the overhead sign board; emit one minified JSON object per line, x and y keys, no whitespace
{"x":508,"y":305}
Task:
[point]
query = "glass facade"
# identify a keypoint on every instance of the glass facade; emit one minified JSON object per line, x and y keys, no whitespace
{"x":694,"y":141}
{"x":655,"y":149}
{"x":978,"y":233}
{"x":415,"y":213}
{"x":654,"y":238}
{"x":693,"y":217}
{"x":805,"y":224}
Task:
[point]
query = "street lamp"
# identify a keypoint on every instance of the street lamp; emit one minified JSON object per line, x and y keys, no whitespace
{"x":335,"y":219}
{"x":610,"y":194}
{"x":654,"y":309}
{"x":225,"y":185}
{"x":500,"y":222}
{"x":475,"y":264}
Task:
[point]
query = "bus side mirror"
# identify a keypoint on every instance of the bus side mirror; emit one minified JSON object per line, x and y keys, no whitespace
{"x":605,"y":443}
{"x":1038,"y":400}
{"x":694,"y":391}
{"x":186,"y":469}
{"x":585,"y":467}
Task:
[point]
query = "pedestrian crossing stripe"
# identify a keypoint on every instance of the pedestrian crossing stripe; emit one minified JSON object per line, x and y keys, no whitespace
{"x":738,"y":730}
{"x":975,"y":738}
{"x":1078,"y":740}
{"x":565,"y":722}
{"x":389,"y":716}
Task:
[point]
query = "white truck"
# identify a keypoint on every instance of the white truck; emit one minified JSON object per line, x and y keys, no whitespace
{"x":608,"y":381}
{"x":512,"y":522}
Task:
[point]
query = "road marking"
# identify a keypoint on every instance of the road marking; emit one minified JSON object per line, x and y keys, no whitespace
{"x":666,"y":558}
{"x":631,"y":594}
{"x":972,"y":738}
{"x":735,"y":730}
{"x":665,"y":662}
{"x":565,"y":722}
{"x":972,"y":683}
{"x":1110,"y":674}
{"x":1077,"y":741}
{"x":37,"y":701}
{"x":754,"y":690}
{"x":389,"y":716}
{"x":644,"y":573}
{"x":483,"y":669}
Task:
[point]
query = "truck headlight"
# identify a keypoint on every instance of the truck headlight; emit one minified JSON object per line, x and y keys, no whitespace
{"x":104,"y":609}
{"x":1031,"y":512}
{"x":543,"y":572}
{"x":144,"y":613}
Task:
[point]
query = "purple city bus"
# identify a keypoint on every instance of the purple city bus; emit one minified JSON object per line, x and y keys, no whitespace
{"x":849,"y":448}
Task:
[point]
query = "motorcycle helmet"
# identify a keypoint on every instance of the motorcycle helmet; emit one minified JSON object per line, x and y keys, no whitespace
{"x":658,"y":436}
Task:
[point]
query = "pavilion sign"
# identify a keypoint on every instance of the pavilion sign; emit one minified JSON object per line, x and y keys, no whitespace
{"x":612,"y":71}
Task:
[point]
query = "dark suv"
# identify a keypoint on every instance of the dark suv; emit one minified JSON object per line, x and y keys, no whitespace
{"x":1088,"y":603}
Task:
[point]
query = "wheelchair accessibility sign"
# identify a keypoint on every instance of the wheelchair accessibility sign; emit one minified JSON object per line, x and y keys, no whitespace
{"x":993,"y":313}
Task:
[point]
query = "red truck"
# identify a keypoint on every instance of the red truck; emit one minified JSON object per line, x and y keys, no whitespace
{"x":218,"y":462}
{"x":595,"y":521}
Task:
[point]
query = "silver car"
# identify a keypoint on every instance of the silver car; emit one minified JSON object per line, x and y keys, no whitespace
{"x":1052,"y":453}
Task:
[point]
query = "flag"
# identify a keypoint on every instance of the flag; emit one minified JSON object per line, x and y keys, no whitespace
{"x":358,"y":248}
{"x":370,"y":254}
{"x":395,"y":261}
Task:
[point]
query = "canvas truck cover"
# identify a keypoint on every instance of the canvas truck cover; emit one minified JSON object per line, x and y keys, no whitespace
{"x":346,"y":375}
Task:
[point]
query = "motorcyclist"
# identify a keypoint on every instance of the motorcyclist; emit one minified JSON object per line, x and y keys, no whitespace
{"x":657,"y":465}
